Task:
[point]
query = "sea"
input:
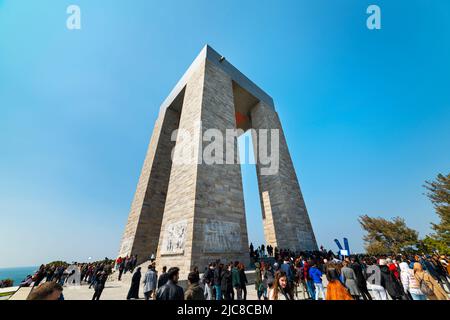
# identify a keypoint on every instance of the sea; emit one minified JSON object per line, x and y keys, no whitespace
{"x":17,"y":274}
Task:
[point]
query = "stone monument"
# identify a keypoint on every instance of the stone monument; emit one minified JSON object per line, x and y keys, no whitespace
{"x":193,"y":213}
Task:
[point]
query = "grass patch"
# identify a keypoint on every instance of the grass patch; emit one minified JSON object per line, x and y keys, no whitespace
{"x":5,"y":294}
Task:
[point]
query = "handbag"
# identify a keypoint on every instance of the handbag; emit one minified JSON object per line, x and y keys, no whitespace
{"x":423,"y":286}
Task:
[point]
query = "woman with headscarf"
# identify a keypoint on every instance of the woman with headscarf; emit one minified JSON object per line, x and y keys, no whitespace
{"x":428,"y":285}
{"x":135,"y":282}
{"x":410,"y":283}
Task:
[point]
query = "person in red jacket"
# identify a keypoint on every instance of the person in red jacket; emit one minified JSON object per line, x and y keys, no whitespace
{"x":392,"y":265}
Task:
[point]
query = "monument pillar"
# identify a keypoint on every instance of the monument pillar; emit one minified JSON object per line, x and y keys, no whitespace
{"x":285,"y":218}
{"x":191,"y":212}
{"x":204,"y":217}
{"x":144,"y":221}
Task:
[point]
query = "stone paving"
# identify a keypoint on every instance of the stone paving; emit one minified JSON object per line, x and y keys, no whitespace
{"x":119,"y":290}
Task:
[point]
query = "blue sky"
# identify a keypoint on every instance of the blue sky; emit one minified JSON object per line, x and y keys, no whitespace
{"x":366,"y":113}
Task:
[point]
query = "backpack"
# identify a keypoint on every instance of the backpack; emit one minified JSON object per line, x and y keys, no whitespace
{"x":424,"y":287}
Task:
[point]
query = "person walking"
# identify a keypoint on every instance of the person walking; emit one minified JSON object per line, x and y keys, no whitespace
{"x":335,"y":289}
{"x":259,"y":287}
{"x":171,"y":290}
{"x":392,"y":265}
{"x":265,"y":279}
{"x":218,"y":273}
{"x":127,"y":264}
{"x":308,"y":281}
{"x":163,"y":278}
{"x":150,"y":282}
{"x":242,"y":280}
{"x":208,"y":280}
{"x":410,"y":283}
{"x":134,"y":261}
{"x":374,"y":281}
{"x":389,"y":281}
{"x":121,"y":268}
{"x":226,"y":284}
{"x":428,"y":285}
{"x":99,"y":285}
{"x":95,"y":274}
{"x":287,"y":268}
{"x":316,"y":276}
{"x":350,"y":280}
{"x":236,"y":281}
{"x":50,"y":274}
{"x":194,"y":291}
{"x":133,"y":293}
{"x":360,"y":279}
{"x":39,"y":276}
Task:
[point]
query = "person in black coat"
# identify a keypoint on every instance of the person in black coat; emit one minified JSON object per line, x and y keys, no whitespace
{"x":163,"y":277}
{"x":135,"y":282}
{"x":226,"y":285}
{"x":99,"y":285}
{"x":218,"y":273}
{"x":171,"y":291}
{"x":389,"y":282}
{"x":243,"y":280}
{"x":360,"y":279}
{"x":121,"y":269}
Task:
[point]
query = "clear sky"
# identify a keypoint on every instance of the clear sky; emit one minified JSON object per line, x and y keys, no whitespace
{"x":366,"y":113}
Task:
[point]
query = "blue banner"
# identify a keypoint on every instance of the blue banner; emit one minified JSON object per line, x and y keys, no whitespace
{"x":338,"y":244}
{"x":346,"y":246}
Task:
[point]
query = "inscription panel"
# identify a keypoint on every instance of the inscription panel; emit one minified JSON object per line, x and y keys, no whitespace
{"x":222,"y":237}
{"x":174,"y":238}
{"x":125,"y":249}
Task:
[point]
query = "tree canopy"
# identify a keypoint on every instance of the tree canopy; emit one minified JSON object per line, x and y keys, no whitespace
{"x":388,"y":236}
{"x":439,"y":195}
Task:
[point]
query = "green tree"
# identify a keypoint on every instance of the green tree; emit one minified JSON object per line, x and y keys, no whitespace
{"x":439,"y":195}
{"x":430,"y":244}
{"x":388,"y":237}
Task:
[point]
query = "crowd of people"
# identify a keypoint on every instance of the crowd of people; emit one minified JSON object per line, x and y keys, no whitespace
{"x":283,"y":274}
{"x":54,"y":276}
{"x":279,"y":274}
{"x":123,"y":265}
{"x":218,"y":282}
{"x":6,"y":283}
{"x":352,"y":278}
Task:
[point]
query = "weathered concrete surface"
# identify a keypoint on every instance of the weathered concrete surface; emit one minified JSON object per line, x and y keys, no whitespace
{"x":194,"y":213}
{"x":205,"y":200}
{"x":286,"y":220}
{"x":144,"y":222}
{"x":21,"y":294}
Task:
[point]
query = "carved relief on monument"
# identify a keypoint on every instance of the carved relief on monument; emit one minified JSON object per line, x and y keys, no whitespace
{"x":125,"y":249}
{"x":222,"y":237}
{"x":174,"y":238}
